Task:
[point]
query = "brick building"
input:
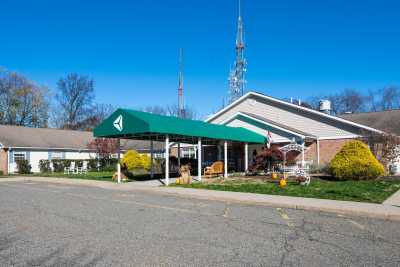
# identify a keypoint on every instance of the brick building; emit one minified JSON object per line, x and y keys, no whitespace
{"x":321,"y":134}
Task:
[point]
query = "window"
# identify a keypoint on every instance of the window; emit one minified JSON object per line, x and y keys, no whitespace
{"x":56,"y":155}
{"x":19,"y":156}
{"x":188,"y":152}
{"x":159,"y":155}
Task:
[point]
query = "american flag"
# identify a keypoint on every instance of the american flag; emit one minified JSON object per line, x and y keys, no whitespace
{"x":269,"y":136}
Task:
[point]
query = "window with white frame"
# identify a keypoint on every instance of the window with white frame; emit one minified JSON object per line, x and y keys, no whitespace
{"x":56,"y":155}
{"x":188,"y":152}
{"x":19,"y":156}
{"x":159,"y":155}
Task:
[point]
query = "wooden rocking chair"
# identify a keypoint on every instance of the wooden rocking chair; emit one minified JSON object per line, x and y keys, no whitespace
{"x":217,"y":168}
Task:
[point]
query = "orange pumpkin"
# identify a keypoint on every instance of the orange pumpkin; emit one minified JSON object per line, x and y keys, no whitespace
{"x":282,"y":183}
{"x":274,"y":175}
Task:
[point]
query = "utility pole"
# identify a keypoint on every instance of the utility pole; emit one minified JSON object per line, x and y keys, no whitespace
{"x":181,"y":104}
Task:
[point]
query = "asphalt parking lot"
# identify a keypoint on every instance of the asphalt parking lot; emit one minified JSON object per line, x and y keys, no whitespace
{"x":44,"y":224}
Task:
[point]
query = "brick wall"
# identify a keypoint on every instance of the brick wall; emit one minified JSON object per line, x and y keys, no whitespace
{"x":327,"y":150}
{"x":3,"y":161}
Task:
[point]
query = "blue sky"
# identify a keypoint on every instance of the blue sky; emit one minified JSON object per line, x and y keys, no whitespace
{"x":294,"y":48}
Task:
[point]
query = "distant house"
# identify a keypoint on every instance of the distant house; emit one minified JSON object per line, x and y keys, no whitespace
{"x":321,"y":134}
{"x":34,"y":144}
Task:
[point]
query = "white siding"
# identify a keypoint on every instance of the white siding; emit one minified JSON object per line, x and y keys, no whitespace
{"x":276,"y":138}
{"x":79,"y":155}
{"x":37,"y":155}
{"x":300,"y":120}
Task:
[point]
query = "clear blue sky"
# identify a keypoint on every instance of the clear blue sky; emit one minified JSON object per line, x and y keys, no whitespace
{"x":294,"y":48}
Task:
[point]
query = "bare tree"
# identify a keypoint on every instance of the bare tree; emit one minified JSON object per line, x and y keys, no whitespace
{"x":22,"y":102}
{"x":351,"y":100}
{"x":385,"y":147}
{"x":156,"y":110}
{"x":371,"y":101}
{"x":390,"y":98}
{"x":98,"y":113}
{"x":74,"y":97}
{"x":171,"y":110}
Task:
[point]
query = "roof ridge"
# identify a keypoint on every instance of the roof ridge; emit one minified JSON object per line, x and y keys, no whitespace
{"x":42,"y":128}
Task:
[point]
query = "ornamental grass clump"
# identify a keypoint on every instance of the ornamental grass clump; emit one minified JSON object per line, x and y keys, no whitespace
{"x":355,"y":161}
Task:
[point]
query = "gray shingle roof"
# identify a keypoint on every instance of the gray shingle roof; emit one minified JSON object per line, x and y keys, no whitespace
{"x":388,"y":121}
{"x":18,"y":136}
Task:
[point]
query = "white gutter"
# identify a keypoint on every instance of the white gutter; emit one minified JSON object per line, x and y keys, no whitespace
{"x":50,"y":148}
{"x":296,"y":107}
{"x":339,"y":137}
{"x":57,"y":148}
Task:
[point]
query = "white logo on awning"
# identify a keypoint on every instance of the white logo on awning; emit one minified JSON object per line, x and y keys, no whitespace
{"x":118,"y":123}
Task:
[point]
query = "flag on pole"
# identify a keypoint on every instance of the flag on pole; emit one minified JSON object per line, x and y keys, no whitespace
{"x":269,"y":137}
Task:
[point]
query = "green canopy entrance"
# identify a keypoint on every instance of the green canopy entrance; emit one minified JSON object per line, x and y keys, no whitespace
{"x":132,"y":124}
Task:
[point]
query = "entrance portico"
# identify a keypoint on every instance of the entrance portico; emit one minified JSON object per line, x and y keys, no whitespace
{"x":131,"y":124}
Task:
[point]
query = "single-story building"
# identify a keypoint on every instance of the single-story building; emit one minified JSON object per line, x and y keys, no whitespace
{"x":35,"y":144}
{"x":322,"y":135}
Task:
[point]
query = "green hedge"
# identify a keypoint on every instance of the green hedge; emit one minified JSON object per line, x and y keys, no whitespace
{"x":23,"y":166}
{"x":44,"y":165}
{"x":58,"y":165}
{"x":355,"y":161}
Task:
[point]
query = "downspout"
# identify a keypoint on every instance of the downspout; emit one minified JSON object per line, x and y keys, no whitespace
{"x":318,"y":151}
{"x":8,"y":161}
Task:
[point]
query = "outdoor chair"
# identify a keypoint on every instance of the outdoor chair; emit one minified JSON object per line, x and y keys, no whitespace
{"x":217,"y":168}
{"x":67,"y":170}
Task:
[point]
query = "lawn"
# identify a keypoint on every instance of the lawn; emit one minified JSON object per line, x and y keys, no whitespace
{"x":101,"y":176}
{"x":361,"y":191}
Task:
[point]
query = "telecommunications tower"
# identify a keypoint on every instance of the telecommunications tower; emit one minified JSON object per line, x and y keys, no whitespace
{"x":236,"y":76}
{"x":181,"y":104}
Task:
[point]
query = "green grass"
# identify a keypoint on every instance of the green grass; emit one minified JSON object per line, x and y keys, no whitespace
{"x":100,"y":176}
{"x":361,"y":191}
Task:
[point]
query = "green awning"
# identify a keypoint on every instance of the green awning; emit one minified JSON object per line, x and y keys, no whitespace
{"x":132,"y":124}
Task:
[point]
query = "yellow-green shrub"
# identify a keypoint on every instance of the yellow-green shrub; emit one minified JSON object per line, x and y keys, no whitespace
{"x":355,"y":161}
{"x":133,"y":160}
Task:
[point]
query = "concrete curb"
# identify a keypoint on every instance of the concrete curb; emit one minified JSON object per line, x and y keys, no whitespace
{"x":378,"y":211}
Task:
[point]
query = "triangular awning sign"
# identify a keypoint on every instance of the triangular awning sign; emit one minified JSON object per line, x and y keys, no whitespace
{"x":118,"y":123}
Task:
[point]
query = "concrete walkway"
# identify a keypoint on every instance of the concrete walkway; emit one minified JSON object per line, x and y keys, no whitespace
{"x":394,"y":200}
{"x":381,"y":211}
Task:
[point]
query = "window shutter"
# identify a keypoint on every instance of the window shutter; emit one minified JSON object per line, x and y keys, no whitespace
{"x":49,"y":155}
{"x":11,"y":156}
{"x":63,"y":155}
{"x":28,"y":156}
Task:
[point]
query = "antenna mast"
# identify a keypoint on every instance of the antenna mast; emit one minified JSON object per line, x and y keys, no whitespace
{"x":236,"y":76}
{"x":181,"y":104}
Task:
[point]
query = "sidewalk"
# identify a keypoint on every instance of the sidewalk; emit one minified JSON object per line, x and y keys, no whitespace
{"x":381,"y":211}
{"x":394,"y":200}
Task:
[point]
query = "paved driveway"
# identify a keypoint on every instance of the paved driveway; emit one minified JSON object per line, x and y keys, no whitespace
{"x":56,"y":224}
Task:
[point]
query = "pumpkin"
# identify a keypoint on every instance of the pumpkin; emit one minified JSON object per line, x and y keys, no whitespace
{"x":282,"y":183}
{"x":274,"y":175}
